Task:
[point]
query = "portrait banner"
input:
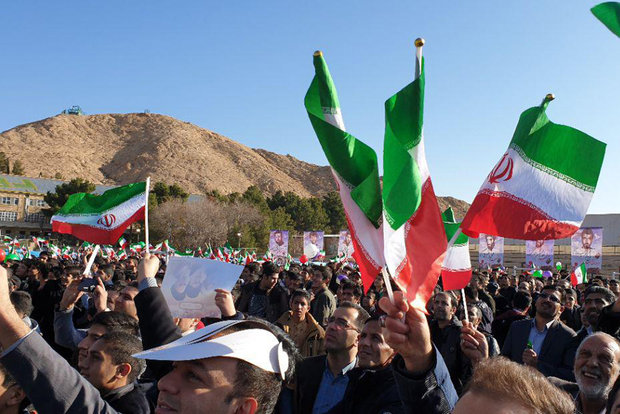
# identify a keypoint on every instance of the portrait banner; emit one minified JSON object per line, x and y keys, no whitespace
{"x":278,"y":246}
{"x":490,"y":251}
{"x":313,"y":244}
{"x":586,"y":246}
{"x":190,"y":282}
{"x":345,"y":244}
{"x":539,"y":253}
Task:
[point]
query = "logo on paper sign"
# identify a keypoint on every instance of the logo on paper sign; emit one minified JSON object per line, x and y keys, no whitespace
{"x":502,"y":171}
{"x":107,"y":220}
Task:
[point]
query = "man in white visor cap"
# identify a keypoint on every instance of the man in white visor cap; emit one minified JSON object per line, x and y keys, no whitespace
{"x":228,"y":367}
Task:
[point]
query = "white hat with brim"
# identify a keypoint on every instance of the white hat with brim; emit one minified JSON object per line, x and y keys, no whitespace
{"x":256,"y":346}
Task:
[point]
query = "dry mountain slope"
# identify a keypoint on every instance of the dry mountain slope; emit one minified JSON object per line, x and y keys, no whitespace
{"x":124,"y":148}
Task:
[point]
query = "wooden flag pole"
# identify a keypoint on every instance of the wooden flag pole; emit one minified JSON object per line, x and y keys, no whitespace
{"x":388,"y":285}
{"x":146,"y":214}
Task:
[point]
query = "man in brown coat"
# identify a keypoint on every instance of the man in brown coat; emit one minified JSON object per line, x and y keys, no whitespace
{"x":303,"y":329}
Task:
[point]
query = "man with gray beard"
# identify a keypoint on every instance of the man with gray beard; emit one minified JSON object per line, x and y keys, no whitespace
{"x":597,"y":367}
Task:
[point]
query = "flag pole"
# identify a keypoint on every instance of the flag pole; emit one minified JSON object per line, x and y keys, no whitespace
{"x":91,"y":260}
{"x":388,"y":285}
{"x":450,"y":244}
{"x":146,"y":214}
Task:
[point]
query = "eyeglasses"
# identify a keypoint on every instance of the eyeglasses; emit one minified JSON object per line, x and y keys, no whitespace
{"x":552,"y":298}
{"x":341,"y":323}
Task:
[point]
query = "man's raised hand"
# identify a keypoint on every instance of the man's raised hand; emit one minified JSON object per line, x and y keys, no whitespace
{"x":411,"y":336}
{"x":148,"y":266}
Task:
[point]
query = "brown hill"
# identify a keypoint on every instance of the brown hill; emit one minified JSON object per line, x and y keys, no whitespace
{"x":123,"y":148}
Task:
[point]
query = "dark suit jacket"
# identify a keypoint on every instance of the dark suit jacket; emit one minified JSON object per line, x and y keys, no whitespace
{"x":156,"y":327}
{"x":308,"y":376}
{"x":557,"y":353}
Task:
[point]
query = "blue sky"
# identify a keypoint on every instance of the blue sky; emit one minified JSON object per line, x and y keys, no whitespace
{"x":242,"y":68}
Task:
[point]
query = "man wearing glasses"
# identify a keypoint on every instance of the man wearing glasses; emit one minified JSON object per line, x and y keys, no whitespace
{"x":321,"y":381}
{"x":544,"y":342}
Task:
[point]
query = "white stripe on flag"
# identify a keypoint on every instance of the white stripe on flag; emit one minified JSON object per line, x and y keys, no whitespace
{"x":121,"y":213}
{"x":562,"y":201}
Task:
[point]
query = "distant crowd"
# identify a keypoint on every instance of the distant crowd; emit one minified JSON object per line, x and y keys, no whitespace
{"x":313,"y":341}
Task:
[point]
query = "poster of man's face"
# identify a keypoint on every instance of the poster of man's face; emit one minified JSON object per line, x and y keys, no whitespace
{"x":190,"y":282}
{"x":490,"y":250}
{"x":278,"y":243}
{"x":587,"y":247}
{"x":313,"y":243}
{"x":345,"y":244}
{"x":539,"y":253}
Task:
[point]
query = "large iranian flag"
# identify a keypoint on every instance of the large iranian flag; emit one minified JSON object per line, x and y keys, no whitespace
{"x":415,"y":240}
{"x":542,"y":186}
{"x":456,"y":267}
{"x":355,"y":170}
{"x":101,"y":219}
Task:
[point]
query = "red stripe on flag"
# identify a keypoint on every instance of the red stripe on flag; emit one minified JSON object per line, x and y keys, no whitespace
{"x":500,"y":215}
{"x":368,"y":270}
{"x":94,"y":234}
{"x":425,"y":239}
{"x":455,"y":280}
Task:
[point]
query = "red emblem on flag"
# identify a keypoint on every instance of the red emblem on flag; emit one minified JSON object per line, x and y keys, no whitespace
{"x":502,"y":171}
{"x":107,"y":220}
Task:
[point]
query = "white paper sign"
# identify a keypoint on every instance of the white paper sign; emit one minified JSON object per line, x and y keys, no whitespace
{"x":190,"y":282}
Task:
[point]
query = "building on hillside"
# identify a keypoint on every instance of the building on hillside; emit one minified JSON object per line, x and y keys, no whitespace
{"x":21,"y":204}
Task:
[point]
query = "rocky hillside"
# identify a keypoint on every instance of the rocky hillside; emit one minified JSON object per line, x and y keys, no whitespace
{"x":123,"y":148}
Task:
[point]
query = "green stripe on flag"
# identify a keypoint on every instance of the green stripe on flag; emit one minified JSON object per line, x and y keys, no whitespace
{"x":559,"y":150}
{"x":85,"y":203}
{"x":609,"y":14}
{"x":402,"y":186}
{"x":354,"y":161}
{"x":451,"y":227}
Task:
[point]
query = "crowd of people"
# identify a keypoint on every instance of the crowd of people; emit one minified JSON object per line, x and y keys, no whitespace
{"x":308,"y":339}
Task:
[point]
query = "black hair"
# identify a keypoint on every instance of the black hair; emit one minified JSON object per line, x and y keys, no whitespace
{"x":269,"y":269}
{"x":362,"y":314}
{"x":251,"y":381}
{"x":471,"y":293}
{"x":117,"y":321}
{"x":121,"y":346}
{"x":557,"y":289}
{"x":301,"y":292}
{"x":326,"y":272}
{"x":608,"y":295}
{"x":22,"y":302}
{"x":357,"y":290}
{"x":522,"y":300}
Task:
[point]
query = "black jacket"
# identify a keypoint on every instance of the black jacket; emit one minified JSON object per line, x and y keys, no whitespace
{"x":448,"y":342}
{"x":308,"y":376}
{"x":424,"y":393}
{"x":557,"y":354}
{"x":370,"y":392}
{"x":276,"y":301}
{"x":128,"y":399}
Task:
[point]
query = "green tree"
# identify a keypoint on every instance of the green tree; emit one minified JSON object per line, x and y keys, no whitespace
{"x":162,"y":192}
{"x":58,"y":198}
{"x":18,"y":168}
{"x":332,"y":204}
{"x":59,"y":176}
{"x":4,"y":163}
{"x":254,"y":196}
{"x":309,"y":215}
